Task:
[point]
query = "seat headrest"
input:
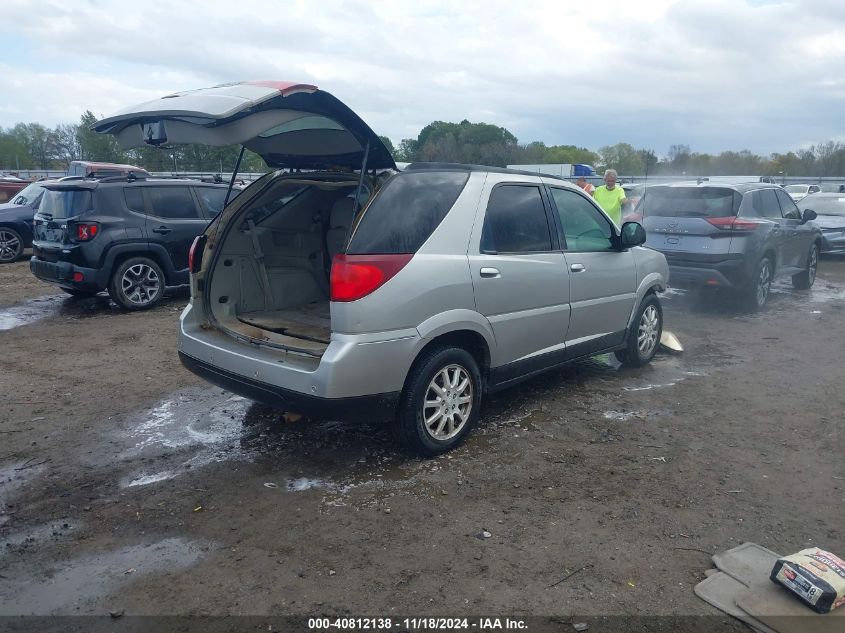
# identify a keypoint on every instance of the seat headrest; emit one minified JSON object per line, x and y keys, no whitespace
{"x":341,"y":215}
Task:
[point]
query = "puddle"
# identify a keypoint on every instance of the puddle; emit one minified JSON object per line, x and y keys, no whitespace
{"x":188,"y":430}
{"x":30,"y":312}
{"x":37,"y":537}
{"x":78,"y":586}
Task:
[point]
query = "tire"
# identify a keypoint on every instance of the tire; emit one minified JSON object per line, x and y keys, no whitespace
{"x":137,"y":284}
{"x":805,"y":280}
{"x":644,"y":334}
{"x":81,"y":294}
{"x":439,"y":372}
{"x":757,"y":292}
{"x":11,"y":245}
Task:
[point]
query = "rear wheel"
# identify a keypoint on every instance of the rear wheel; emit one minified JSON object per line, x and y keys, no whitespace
{"x":644,"y":335}
{"x":137,"y":284}
{"x":11,"y":245}
{"x":757,"y":294}
{"x":807,"y":277}
{"x":440,"y":402}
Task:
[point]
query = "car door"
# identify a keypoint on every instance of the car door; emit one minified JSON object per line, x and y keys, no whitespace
{"x":174,"y":221}
{"x":764,"y":203}
{"x":798,"y":235}
{"x":519,"y":277}
{"x":602,"y":279}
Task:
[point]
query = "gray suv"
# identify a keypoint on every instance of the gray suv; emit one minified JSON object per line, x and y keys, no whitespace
{"x":451,"y":282}
{"x":735,"y":237}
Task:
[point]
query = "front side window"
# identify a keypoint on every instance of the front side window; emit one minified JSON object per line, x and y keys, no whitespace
{"x":172,"y":202}
{"x":584,"y":227}
{"x":516,"y":221}
{"x":788,"y":206}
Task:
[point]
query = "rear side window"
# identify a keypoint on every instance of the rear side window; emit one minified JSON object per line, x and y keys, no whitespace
{"x":213,"y":198}
{"x":404,"y":214}
{"x":134,"y":199}
{"x":66,"y":203}
{"x":761,"y":204}
{"x":689,"y":202}
{"x":172,"y":202}
{"x":516,"y":221}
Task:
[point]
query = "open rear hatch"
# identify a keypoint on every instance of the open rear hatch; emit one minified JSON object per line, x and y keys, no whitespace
{"x":267,"y":276}
{"x":290,"y":125}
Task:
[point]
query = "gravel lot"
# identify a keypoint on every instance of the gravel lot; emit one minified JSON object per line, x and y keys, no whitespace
{"x":128,"y":484}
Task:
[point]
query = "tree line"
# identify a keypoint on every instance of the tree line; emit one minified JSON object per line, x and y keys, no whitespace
{"x":35,"y":146}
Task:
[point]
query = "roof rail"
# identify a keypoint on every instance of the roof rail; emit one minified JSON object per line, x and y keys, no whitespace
{"x":130,"y":177}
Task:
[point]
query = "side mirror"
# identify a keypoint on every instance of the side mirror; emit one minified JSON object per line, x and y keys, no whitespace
{"x":809,"y":214}
{"x":632,"y":234}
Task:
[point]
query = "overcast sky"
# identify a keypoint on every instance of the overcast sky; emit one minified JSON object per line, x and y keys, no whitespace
{"x":713,"y":74}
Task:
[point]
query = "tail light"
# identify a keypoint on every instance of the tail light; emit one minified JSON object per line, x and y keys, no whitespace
{"x":356,"y":276}
{"x":195,"y":254}
{"x":732,"y":223}
{"x":86,"y":231}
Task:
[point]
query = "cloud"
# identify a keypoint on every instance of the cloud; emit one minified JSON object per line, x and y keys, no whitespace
{"x":711,"y":74}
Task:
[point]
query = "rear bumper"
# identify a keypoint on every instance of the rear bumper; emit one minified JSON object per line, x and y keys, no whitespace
{"x":379,"y":406}
{"x":61,"y":273}
{"x":355,"y":370}
{"x":730,"y":273}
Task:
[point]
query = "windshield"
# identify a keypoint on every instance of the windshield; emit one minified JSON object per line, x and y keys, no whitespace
{"x":66,"y":203}
{"x":825,"y":206}
{"x":28,"y":194}
{"x":796,"y":188}
{"x":688,"y":202}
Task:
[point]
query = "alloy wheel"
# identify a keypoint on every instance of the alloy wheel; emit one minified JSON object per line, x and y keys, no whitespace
{"x":764,"y":282}
{"x":9,"y":246}
{"x":140,"y":284}
{"x":448,"y":402}
{"x":648,"y":330}
{"x":813,"y":264}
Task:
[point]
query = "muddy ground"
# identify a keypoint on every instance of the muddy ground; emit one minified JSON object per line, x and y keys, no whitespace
{"x":128,"y":484}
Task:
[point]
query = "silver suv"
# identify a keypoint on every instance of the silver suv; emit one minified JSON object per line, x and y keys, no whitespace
{"x":412,"y":294}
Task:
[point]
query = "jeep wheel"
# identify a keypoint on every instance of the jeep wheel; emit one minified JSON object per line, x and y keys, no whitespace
{"x":440,"y":402}
{"x":807,"y":277}
{"x":644,"y":335}
{"x":11,"y":245}
{"x":137,"y":284}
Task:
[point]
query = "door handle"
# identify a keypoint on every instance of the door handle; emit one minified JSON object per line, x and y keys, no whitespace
{"x":490,"y":272}
{"x":577,"y":268}
{"x":163,"y":230}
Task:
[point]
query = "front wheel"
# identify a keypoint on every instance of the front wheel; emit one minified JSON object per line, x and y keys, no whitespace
{"x":644,"y":334}
{"x":137,"y":284}
{"x":11,"y":245}
{"x":440,"y":402}
{"x":806,"y":278}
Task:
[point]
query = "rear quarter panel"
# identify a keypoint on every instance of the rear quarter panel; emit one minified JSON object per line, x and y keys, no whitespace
{"x":436,"y":280}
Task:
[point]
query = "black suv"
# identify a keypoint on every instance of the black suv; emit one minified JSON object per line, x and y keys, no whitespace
{"x":127,"y":235}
